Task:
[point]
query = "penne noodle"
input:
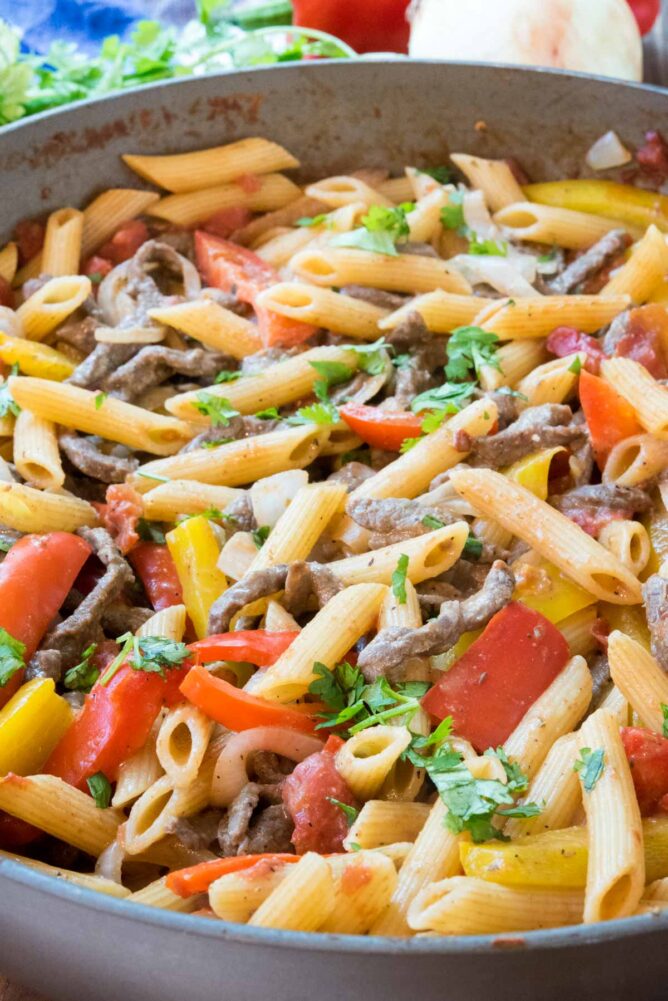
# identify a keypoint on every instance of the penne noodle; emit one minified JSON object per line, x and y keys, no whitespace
{"x":648,"y":398}
{"x":537,"y":317}
{"x":36,"y":454}
{"x":301,"y":525}
{"x":383,"y":823}
{"x":336,"y":192}
{"x":323,"y":308}
{"x":46,"y":308}
{"x":211,"y":324}
{"x":404,"y":273}
{"x":166,"y":501}
{"x":9,"y":259}
{"x":493,"y":177}
{"x":556,"y":787}
{"x":644,"y":269}
{"x":639,"y":678}
{"x":26,"y":509}
{"x":634,"y":460}
{"x":62,"y":242}
{"x":441,"y":311}
{"x":428,"y":556}
{"x":549,"y":224}
{"x":268,"y":192}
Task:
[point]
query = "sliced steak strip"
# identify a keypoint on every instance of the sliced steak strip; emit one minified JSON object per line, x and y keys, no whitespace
{"x":387,"y":653}
{"x":375,"y":296}
{"x":590,"y":262}
{"x":539,"y":427}
{"x":307,"y":580}
{"x":241,"y":830}
{"x":394,"y":519}
{"x":594,"y":505}
{"x":155,"y":363}
{"x":85,"y":453}
{"x":655,"y":594}
{"x":101,"y":363}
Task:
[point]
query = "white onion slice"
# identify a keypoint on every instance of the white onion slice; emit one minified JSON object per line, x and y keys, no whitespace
{"x":271,"y":495}
{"x":608,"y":151}
{"x":231,"y":771}
{"x":237,"y":555}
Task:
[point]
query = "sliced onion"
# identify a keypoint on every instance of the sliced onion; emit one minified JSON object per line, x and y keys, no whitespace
{"x":608,"y":151}
{"x":506,"y":275}
{"x":231,"y":771}
{"x":477,"y":217}
{"x":237,"y":555}
{"x":110,"y":862}
{"x":271,"y":495}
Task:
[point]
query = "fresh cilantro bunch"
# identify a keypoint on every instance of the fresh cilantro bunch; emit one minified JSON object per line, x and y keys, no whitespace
{"x":382,"y":228}
{"x":217,"y":408}
{"x":151,"y":654}
{"x":83,"y":676}
{"x":590,"y":766}
{"x":469,"y":350}
{"x":350,"y":700}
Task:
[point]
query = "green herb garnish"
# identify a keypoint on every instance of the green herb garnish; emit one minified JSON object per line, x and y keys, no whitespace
{"x":99,"y":787}
{"x":83,"y":676}
{"x":399,"y":579}
{"x":12,"y":652}
{"x":590,"y":767}
{"x":217,"y":408}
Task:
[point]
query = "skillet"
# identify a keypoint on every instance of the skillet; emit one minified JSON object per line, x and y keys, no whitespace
{"x":71,"y":943}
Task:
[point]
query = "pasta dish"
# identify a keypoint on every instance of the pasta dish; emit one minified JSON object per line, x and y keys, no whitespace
{"x":334,"y":544}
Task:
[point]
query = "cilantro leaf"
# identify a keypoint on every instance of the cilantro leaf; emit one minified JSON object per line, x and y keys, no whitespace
{"x":99,"y":787}
{"x":409,"y":443}
{"x":487,"y":248}
{"x":331,"y":374}
{"x":664,"y":727}
{"x":260,"y":535}
{"x":402,"y":361}
{"x":590,"y":766}
{"x":149,"y":532}
{"x":433,"y":421}
{"x":217,"y":408}
{"x":399,"y":579}
{"x":226,"y":375}
{"x":316,"y":220}
{"x":83,"y":676}
{"x":383,"y":227}
{"x":350,"y":812}
{"x":216,"y":442}
{"x":270,"y":413}
{"x":441,"y":174}
{"x":152,"y":654}
{"x":472,"y":548}
{"x":8,"y":404}
{"x":339,"y":688}
{"x":429,"y":521}
{"x":452,"y":214}
{"x":99,"y":400}
{"x":448,"y":398}
{"x":12,"y":652}
{"x":316,"y":413}
{"x":371,"y":358}
{"x":469,"y":349}
{"x":575,"y":366}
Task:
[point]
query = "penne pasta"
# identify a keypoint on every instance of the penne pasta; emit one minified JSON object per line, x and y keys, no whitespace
{"x":404,"y":273}
{"x":267,"y":193}
{"x":324,"y":308}
{"x":211,"y":324}
{"x":647,"y":397}
{"x":553,"y":225}
{"x":62,"y":242}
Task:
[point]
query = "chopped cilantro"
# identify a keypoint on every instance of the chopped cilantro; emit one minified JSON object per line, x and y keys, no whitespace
{"x":260,"y":535}
{"x":433,"y":421}
{"x":349,"y":811}
{"x":664,"y":728}
{"x":399,"y":579}
{"x":590,"y":766}
{"x":382,"y":228}
{"x":270,"y":413}
{"x":402,"y":361}
{"x":450,"y":397}
{"x":432,"y":523}
{"x":315,"y":220}
{"x":354,"y":847}
{"x":95,"y":277}
{"x":148,"y":532}
{"x":83,"y":676}
{"x":226,"y":375}
{"x":338,"y":688}
{"x":472,"y":548}
{"x":452,"y":214}
{"x":99,"y":400}
{"x":153,"y":476}
{"x":316,"y":413}
{"x":548,"y":258}
{"x":152,"y":654}
{"x":99,"y":787}
{"x":217,"y":408}
{"x":487,"y":248}
{"x":441,"y":174}
{"x":351,"y":700}
{"x":331,"y":374}
{"x":12,"y":652}
{"x":6,"y":544}
{"x":8,"y":404}
{"x":575,"y":366}
{"x":469,"y":350}
{"x":409,"y":443}
{"x":212,"y":513}
{"x":216,"y":442}
{"x":507,"y":391}
{"x":371,"y":358}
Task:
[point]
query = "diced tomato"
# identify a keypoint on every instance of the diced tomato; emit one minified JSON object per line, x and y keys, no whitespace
{"x":320,"y":825}
{"x":647,"y":753}
{"x":120,"y":515}
{"x":225,"y":222}
{"x":653,"y":154}
{"x":233,"y":268}
{"x":125,"y":242}
{"x":646,"y":333}
{"x":489,"y":689}
{"x":368,"y":26}
{"x":386,"y":429}
{"x":96,"y":266}
{"x":567,"y":340}
{"x":609,"y":417}
{"x":155,"y":567}
{"x":6,"y":294}
{"x":29,"y":237}
{"x":593,"y":521}
{"x":250,"y":184}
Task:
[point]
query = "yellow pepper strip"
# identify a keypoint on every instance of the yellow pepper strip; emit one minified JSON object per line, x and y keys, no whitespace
{"x":533,"y":471}
{"x":555,"y":858}
{"x":544,"y":588}
{"x":656,"y":523}
{"x":195,"y":550}
{"x":607,"y":198}
{"x":7,"y":425}
{"x":31,"y":724}
{"x":629,"y":619}
{"x":34,"y":358}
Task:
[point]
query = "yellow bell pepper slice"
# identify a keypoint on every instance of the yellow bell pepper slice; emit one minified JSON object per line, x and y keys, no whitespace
{"x":555,"y":858}
{"x":606,"y":198}
{"x":544,"y":588}
{"x":656,"y":524}
{"x":34,"y":358}
{"x":533,"y":471}
{"x":195,"y":550}
{"x":31,"y":724}
{"x":629,"y":619}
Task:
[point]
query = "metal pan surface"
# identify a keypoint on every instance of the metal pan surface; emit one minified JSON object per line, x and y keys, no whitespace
{"x":71,"y":943}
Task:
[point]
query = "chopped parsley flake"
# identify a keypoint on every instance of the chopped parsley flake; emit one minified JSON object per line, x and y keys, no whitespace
{"x":99,"y":787}
{"x":99,"y":400}
{"x":590,"y":767}
{"x":12,"y":652}
{"x":399,"y":579}
{"x":260,"y":535}
{"x":226,"y":375}
{"x":350,"y":812}
{"x":217,"y":408}
{"x":469,"y":350}
{"x":83,"y":676}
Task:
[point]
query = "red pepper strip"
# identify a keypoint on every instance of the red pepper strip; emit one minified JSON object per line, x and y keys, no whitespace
{"x":648,"y":757}
{"x":255,"y":646}
{"x":489,"y":689}
{"x":645,"y":13}
{"x":155,"y":567}
{"x":567,"y":340}
{"x":609,"y":417}
{"x":120,"y":515}
{"x":198,"y":878}
{"x":239,"y":710}
{"x":370,"y":26}
{"x":114,"y":723}
{"x":35,"y":578}
{"x":228,"y":266}
{"x":386,"y":429}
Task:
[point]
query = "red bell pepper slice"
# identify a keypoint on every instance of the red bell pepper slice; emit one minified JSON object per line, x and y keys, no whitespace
{"x":647,"y":753}
{"x":230,"y":267}
{"x":386,"y":429}
{"x":489,"y":689}
{"x":567,"y":340}
{"x":370,"y":26}
{"x":239,"y":710}
{"x":645,"y":13}
{"x":35,"y":578}
{"x":114,"y":723}
{"x":198,"y":878}
{"x":254,"y":646}
{"x":125,"y":242}
{"x":609,"y":417}
{"x":155,"y":568}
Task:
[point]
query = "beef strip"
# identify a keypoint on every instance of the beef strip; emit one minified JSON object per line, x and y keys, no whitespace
{"x":375,"y":296}
{"x":394,"y":519}
{"x":352,"y":474}
{"x":240,"y":513}
{"x":154,"y":258}
{"x":427,"y":354}
{"x":102,"y":362}
{"x":587,"y":264}
{"x":80,"y":334}
{"x":119,"y":618}
{"x":506,"y":406}
{"x":228,"y":300}
{"x":85,"y":453}
{"x":153,"y":364}
{"x":45,"y":664}
{"x":269,"y":768}
{"x":592,"y":497}
{"x":79,"y":630}
{"x":387,"y":653}
{"x":197,"y":832}
{"x":300,"y":581}
{"x":537,"y":427}
{"x":241,"y":832}
{"x":599,"y":668}
{"x":262,"y":360}
{"x":238,"y":427}
{"x":432,"y":593}
{"x":655,"y":595}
